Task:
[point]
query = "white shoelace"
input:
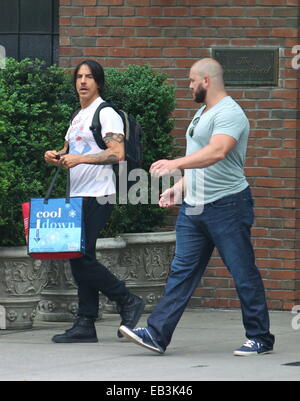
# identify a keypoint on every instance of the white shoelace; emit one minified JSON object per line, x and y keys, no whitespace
{"x":249,"y":343}
{"x":139,"y":329}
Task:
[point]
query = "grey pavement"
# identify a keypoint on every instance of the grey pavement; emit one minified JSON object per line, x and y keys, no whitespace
{"x":201,"y":350}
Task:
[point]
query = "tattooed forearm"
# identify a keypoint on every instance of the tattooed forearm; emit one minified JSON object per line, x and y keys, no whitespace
{"x":103,"y":158}
{"x":114,"y":153}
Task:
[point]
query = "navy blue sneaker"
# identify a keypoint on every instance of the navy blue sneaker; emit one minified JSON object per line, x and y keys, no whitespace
{"x":130,"y":312}
{"x":253,"y":347}
{"x":141,"y":336}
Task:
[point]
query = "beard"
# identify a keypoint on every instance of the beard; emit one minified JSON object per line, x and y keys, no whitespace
{"x":200,"y":95}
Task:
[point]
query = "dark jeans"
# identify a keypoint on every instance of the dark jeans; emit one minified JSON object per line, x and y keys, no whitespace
{"x":224,"y":224}
{"x":90,"y":275}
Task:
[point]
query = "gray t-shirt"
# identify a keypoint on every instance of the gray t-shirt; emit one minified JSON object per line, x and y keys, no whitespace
{"x":225,"y":177}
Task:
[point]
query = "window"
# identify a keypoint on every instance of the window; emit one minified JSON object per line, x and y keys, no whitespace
{"x":29,"y":28}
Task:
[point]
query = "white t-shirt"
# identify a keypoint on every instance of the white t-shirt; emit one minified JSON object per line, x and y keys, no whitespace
{"x":89,"y":179}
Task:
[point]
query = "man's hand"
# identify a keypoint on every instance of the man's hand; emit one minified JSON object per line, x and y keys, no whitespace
{"x":172,"y":196}
{"x":70,"y":160}
{"x":164,"y":167}
{"x":52,"y":157}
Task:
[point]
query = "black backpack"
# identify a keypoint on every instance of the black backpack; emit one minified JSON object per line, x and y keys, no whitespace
{"x":132,"y":130}
{"x":133,"y":150}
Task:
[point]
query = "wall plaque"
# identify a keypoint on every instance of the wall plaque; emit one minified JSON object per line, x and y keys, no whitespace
{"x":247,"y":66}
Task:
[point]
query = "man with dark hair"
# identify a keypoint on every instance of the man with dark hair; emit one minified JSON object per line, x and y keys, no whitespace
{"x":91,"y":176}
{"x":217,"y":212}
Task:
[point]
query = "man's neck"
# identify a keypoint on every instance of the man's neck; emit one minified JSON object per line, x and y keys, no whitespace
{"x":84,"y":103}
{"x":214,"y":99}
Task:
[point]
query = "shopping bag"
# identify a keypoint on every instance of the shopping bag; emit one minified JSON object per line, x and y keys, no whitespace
{"x":54,"y":228}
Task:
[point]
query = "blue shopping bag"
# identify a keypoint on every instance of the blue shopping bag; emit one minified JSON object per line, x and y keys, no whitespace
{"x":56,"y":227}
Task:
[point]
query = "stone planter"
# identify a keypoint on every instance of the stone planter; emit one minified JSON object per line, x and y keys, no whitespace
{"x":143,"y":263}
{"x":21,"y":282}
{"x":59,"y":300}
{"x":141,"y":260}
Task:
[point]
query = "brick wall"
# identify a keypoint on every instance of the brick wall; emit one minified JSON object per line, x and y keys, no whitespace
{"x":170,"y":35}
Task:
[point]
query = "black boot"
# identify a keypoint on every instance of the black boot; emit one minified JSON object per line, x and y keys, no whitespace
{"x":130,"y":311}
{"x":83,"y":331}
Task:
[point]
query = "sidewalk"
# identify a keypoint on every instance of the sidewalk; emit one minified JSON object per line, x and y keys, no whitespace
{"x":201,"y":350}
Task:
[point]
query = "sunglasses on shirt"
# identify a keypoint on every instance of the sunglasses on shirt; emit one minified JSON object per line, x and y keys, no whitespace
{"x":194,"y":123}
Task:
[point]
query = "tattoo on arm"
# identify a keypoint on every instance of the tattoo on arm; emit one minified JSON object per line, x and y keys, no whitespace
{"x":104,"y":157}
{"x":110,"y":137}
{"x":110,"y":155}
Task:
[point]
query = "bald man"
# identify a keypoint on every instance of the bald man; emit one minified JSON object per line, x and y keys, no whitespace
{"x":217,"y":212}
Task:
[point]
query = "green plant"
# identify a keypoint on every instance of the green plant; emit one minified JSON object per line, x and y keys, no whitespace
{"x":35,"y":108}
{"x":36,"y":103}
{"x":144,"y":94}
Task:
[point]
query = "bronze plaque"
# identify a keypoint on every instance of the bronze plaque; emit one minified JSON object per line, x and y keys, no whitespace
{"x":247,"y":66}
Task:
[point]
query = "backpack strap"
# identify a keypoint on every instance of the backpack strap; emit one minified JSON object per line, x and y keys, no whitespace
{"x":96,"y":125}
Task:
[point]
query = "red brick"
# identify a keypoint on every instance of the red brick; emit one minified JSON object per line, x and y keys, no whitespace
{"x":64,"y":41}
{"x":217,"y":21}
{"x":149,"y":11}
{"x":136,"y":21}
{"x":203,"y":12}
{"x":138,"y":3}
{"x":120,"y":52}
{"x":272,"y":2}
{"x":70,"y":11}
{"x":244,"y":21}
{"x":135,"y":42}
{"x":244,"y":3}
{"x":95,"y":11}
{"x":146,"y":52}
{"x":292,"y":3}
{"x":109,"y":42}
{"x":83,"y":21}
{"x":116,"y":31}
{"x":284,"y":94}
{"x":112,"y":2}
{"x":70,"y":51}
{"x":268,"y":162}
{"x":259,"y":11}
{"x":162,"y":42}
{"x":64,"y":21}
{"x":285,"y":32}
{"x":269,"y":182}
{"x":164,"y":3}
{"x":176,"y":11}
{"x":231,"y":32}
{"x":231,"y":12}
{"x":258,"y":32}
{"x":175,"y":52}
{"x":95,"y":52}
{"x":84,"y":2}
{"x":122,"y":11}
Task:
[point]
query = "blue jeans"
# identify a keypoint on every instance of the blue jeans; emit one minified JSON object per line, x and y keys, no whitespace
{"x":224,"y":224}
